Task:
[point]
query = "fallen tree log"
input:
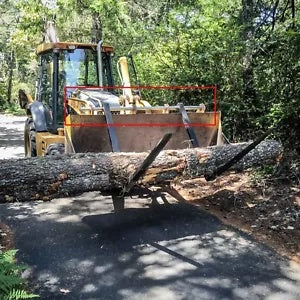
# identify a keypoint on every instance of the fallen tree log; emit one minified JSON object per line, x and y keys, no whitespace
{"x":57,"y":176}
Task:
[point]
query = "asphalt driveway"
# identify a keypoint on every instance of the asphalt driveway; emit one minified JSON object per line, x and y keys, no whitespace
{"x":11,"y":136}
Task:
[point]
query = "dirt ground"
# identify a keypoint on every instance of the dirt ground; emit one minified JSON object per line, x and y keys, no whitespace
{"x":268,"y":209}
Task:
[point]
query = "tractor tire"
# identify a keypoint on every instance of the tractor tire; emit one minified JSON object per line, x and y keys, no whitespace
{"x":55,"y":149}
{"x":29,"y":138}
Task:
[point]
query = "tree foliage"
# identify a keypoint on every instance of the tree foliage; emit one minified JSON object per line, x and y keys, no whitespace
{"x":248,"y":48}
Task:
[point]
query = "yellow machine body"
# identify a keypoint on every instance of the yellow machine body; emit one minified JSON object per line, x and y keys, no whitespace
{"x":136,"y":125}
{"x":44,"y":139}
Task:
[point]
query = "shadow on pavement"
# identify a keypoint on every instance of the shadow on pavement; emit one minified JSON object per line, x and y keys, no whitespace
{"x":78,"y":249}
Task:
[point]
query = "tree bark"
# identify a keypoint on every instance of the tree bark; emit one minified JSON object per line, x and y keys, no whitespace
{"x":248,"y":37}
{"x":10,"y":75}
{"x":97,"y":28}
{"x":293,"y":13}
{"x":57,"y":176}
{"x":249,"y":91}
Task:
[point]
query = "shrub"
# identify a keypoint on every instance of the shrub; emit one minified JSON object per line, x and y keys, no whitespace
{"x":12,"y":286}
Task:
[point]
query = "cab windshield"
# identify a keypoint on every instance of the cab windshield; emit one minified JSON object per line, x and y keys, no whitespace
{"x":78,"y":67}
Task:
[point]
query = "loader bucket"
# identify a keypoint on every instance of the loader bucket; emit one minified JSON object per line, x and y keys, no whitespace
{"x":140,"y":132}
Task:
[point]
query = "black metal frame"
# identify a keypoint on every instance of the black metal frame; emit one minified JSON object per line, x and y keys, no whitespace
{"x":55,"y":91}
{"x":111,"y":130}
{"x":110,"y":78}
{"x":118,"y":197}
{"x":42,"y":119}
{"x":187,"y":123}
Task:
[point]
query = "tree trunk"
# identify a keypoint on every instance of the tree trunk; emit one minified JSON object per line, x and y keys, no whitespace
{"x":56,"y":176}
{"x":248,"y":36}
{"x":97,"y":28}
{"x":293,"y":13}
{"x":10,"y":75}
{"x":249,"y":91}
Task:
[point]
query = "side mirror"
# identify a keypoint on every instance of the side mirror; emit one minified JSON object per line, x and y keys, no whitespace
{"x":24,"y":99}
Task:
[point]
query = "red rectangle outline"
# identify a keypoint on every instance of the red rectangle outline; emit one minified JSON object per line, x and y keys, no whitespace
{"x":150,"y":87}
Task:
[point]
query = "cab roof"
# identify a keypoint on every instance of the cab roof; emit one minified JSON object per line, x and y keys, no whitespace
{"x":45,"y":47}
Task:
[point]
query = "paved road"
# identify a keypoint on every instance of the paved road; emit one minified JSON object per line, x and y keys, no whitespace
{"x":77,"y":248}
{"x":11,"y":136}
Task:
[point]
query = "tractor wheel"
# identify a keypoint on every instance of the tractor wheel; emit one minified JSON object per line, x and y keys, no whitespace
{"x":29,"y":138}
{"x":55,"y":149}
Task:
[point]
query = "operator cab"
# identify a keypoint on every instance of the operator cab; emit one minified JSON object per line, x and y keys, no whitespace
{"x":68,"y":64}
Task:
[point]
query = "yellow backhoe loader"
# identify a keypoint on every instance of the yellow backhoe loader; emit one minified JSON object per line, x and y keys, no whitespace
{"x":76,"y":110}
